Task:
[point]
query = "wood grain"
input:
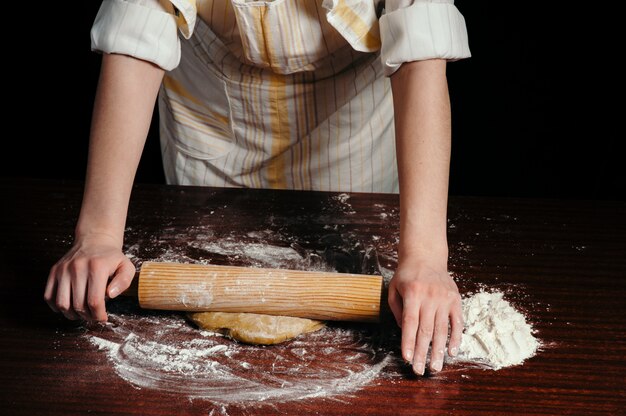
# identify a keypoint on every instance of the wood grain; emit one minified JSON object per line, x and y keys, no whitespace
{"x":304,"y":294}
{"x":561,"y":262}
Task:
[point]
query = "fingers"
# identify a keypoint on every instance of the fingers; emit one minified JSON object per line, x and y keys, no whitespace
{"x":410,"y":323}
{"x":440,"y":336}
{"x":79,"y":287}
{"x":122,"y":279}
{"x":456,"y":328}
{"x":395,"y":304}
{"x":49,"y":293}
{"x":424,"y":336}
{"x":96,"y":285}
{"x":64,"y":295}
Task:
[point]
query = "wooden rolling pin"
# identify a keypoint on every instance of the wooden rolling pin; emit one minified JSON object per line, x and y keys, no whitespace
{"x":304,"y":294}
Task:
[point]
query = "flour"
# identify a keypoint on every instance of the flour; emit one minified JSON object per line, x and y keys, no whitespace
{"x":344,"y":205}
{"x":230,"y":250}
{"x":495,"y":332}
{"x":161,"y":351}
{"x":259,"y":254}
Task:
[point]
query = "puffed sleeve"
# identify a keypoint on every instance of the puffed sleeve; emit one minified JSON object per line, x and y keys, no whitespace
{"x":415,"y":30}
{"x":144,"y":29}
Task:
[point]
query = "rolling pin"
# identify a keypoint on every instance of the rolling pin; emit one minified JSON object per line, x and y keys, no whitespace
{"x":304,"y":294}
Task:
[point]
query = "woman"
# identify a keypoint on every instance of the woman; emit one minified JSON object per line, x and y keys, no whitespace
{"x":295,"y":94}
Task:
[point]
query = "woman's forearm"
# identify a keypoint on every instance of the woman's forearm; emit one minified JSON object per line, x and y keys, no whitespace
{"x":422,"y":123}
{"x":123,"y":108}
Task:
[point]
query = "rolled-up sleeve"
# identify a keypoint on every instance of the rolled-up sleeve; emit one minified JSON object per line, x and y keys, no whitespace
{"x":415,"y":30}
{"x":144,"y":29}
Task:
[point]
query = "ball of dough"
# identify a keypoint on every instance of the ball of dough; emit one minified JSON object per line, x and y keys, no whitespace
{"x":253,"y":328}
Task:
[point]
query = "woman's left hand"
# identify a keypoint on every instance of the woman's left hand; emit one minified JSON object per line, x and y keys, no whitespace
{"x":424,"y":300}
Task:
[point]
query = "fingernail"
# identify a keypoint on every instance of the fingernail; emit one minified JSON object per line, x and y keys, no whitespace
{"x":437,"y":365}
{"x":419,"y":368}
{"x":454,"y":351}
{"x":114,"y":291}
{"x":408,"y":355}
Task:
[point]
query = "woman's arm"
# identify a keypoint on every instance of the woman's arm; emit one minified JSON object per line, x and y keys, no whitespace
{"x":422,"y":295}
{"x":123,"y":108}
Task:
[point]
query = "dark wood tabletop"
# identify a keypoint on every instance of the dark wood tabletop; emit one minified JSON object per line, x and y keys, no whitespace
{"x":563,"y":263}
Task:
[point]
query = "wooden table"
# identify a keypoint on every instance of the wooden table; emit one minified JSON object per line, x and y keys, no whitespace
{"x":562,"y":262}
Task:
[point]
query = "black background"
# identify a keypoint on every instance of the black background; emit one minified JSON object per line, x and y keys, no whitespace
{"x":537,"y":110}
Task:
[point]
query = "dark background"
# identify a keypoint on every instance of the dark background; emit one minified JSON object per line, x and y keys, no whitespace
{"x":536,"y":110}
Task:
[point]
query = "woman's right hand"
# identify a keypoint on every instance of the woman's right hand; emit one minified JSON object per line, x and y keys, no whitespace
{"x":95,"y":267}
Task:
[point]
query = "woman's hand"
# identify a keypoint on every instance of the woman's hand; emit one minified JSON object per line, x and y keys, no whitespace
{"x":127,"y":91}
{"x":77,"y":283}
{"x":424,"y":300}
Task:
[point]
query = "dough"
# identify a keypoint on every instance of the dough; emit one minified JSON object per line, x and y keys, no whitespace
{"x":253,"y":328}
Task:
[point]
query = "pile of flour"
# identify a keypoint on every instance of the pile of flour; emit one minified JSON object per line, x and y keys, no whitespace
{"x":496,"y":333}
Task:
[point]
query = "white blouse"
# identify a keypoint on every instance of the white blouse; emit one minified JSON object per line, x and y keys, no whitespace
{"x":283,"y":94}
{"x":410,"y":30}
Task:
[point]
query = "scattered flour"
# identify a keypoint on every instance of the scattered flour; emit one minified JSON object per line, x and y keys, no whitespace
{"x":344,"y":205}
{"x":263,"y":254}
{"x":495,"y":332}
{"x":162,"y":351}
